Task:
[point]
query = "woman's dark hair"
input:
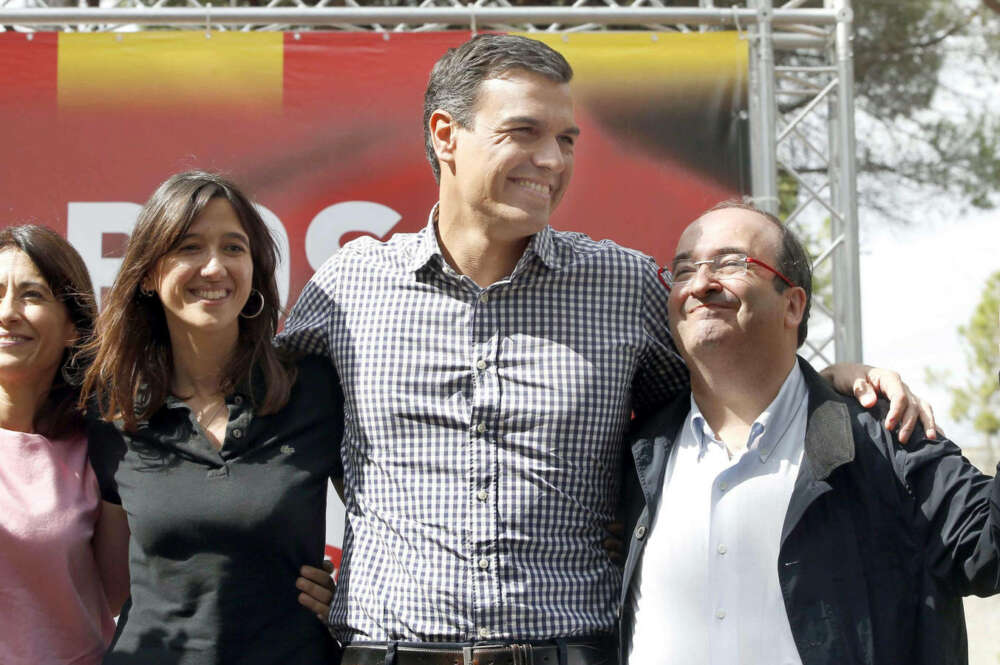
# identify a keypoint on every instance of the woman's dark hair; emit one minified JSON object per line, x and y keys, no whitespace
{"x":132,"y":366}
{"x":67,"y":277}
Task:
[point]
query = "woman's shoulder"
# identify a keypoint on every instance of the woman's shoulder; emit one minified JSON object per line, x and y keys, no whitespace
{"x":71,"y":439}
{"x":104,"y":437}
{"x":311,"y":366}
{"x":315,"y":379}
{"x":104,"y":434}
{"x":66,"y":444}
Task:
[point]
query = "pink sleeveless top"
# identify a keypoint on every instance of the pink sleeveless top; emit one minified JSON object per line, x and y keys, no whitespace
{"x":53,"y":606}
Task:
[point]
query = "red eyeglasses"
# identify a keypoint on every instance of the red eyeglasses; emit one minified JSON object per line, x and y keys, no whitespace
{"x":721,"y":266}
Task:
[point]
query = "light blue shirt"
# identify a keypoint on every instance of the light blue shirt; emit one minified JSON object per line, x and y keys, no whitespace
{"x":708,"y":590}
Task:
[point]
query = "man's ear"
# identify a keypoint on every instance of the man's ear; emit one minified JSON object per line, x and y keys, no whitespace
{"x":443,"y":130}
{"x":795,"y":307}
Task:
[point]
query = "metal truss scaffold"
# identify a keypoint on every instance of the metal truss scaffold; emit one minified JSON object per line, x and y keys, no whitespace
{"x":801,"y":92}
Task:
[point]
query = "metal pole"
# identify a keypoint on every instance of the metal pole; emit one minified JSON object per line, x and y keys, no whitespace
{"x":785,"y":41}
{"x":763,"y":112}
{"x":705,"y":4}
{"x":846,"y":264}
{"x":196,"y":16}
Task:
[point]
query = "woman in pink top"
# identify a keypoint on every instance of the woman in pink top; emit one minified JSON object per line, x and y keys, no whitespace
{"x":63,"y":562}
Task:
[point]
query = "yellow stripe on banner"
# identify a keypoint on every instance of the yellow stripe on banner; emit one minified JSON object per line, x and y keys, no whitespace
{"x":677,"y":61}
{"x":171,"y":70}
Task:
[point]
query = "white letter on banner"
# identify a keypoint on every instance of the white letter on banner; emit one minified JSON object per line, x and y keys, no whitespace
{"x":329,"y":226}
{"x":282,"y":272}
{"x":87,"y":224}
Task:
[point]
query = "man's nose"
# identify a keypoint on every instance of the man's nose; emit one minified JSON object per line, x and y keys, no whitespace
{"x":703,"y":280}
{"x":549,"y":155}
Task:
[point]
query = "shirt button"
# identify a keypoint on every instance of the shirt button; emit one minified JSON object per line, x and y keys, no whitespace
{"x":484,"y":632}
{"x":640,"y":532}
{"x":482,"y":495}
{"x":723,"y":487}
{"x":722,"y":549}
{"x":238,"y":400}
{"x":481,"y":427}
{"x":484,"y":298}
{"x":484,"y":563}
{"x":237,"y":433}
{"x":481,"y":364}
{"x":720,"y":614}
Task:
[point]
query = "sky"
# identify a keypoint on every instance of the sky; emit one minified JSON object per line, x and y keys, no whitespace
{"x":910,"y":315}
{"x":918,"y":284}
{"x":921,"y":280}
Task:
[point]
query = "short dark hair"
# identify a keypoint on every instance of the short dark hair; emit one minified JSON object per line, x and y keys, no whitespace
{"x":456,"y":77}
{"x":793,"y":260}
{"x":66,"y":275}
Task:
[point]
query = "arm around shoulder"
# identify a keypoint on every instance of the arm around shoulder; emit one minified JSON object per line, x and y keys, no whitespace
{"x":110,"y":543}
{"x":319,"y":383}
{"x":960,"y":508}
{"x":105,"y":449}
{"x":307,"y":326}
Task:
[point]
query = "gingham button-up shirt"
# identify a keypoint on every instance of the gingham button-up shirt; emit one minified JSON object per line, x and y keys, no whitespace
{"x":483,"y":434}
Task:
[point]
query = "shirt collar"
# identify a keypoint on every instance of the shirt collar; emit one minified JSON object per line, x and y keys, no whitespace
{"x":427,"y":246}
{"x":541,"y":245}
{"x":769,"y":427}
{"x":702,"y":433}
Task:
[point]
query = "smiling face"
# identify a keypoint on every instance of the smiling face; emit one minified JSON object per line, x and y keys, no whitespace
{"x":35,"y":328}
{"x":204,"y":281}
{"x":511,"y":168}
{"x":744,"y":313}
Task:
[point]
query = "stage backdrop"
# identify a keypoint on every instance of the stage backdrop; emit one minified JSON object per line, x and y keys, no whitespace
{"x":324,"y":131}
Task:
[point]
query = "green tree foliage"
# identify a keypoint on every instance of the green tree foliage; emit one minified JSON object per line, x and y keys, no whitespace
{"x":919,"y":65}
{"x":926,"y":121}
{"x":926,"y":124}
{"x":977,"y":399}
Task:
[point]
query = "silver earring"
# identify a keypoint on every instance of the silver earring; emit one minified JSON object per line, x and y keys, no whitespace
{"x":259,"y":309}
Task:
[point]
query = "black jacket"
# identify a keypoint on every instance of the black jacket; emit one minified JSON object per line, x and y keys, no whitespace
{"x":880,"y":541}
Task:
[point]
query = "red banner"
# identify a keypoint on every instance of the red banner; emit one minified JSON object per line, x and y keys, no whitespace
{"x":324,"y":130}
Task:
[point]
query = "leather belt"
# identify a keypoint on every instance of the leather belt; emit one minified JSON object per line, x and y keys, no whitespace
{"x":577,"y":653}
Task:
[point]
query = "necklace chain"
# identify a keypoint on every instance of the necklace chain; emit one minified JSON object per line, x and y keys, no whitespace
{"x":205,"y":418}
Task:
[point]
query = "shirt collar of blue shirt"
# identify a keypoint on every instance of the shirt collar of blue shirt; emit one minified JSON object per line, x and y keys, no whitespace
{"x":769,"y":427}
{"x":427,"y":246}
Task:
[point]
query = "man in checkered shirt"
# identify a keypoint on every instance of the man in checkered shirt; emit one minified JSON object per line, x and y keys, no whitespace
{"x":490,"y":367}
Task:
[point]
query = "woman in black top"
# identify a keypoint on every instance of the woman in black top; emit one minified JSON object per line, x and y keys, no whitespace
{"x":217,"y":447}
